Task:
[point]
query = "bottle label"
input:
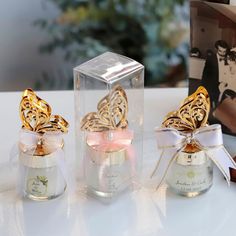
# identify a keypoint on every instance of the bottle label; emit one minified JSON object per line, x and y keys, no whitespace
{"x":37,"y":185}
{"x":190,"y":178}
{"x":108,"y":178}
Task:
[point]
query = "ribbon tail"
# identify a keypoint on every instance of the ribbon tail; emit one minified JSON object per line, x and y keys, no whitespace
{"x":223,"y":160}
{"x":8,"y":171}
{"x":157,"y":165}
{"x":166,"y":159}
{"x":62,"y":164}
{"x":13,"y":156}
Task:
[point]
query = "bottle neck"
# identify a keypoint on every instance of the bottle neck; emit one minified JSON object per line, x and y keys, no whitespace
{"x":192,"y":148}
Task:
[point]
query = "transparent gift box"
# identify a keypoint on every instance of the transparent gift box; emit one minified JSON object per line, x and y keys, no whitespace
{"x":109,"y":123}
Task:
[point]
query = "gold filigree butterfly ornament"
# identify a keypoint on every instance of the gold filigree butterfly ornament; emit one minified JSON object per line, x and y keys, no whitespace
{"x":112,"y":111}
{"x":192,"y":114}
{"x":36,"y":115}
{"x":39,"y":123}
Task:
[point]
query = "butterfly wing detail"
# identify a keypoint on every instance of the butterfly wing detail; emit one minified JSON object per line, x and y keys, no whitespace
{"x":111,"y":113}
{"x":174,"y":121}
{"x":118,"y":109}
{"x":33,"y":111}
{"x":36,"y":115}
{"x":56,"y":123}
{"x":192,"y":114}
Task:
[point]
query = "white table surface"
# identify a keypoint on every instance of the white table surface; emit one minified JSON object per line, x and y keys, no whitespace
{"x":142,"y":213}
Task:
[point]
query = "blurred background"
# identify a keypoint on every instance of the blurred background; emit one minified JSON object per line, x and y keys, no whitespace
{"x":42,"y":40}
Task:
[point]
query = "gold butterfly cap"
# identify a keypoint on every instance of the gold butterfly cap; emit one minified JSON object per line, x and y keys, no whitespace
{"x":36,"y":115}
{"x":192,"y":114}
{"x":111,"y":114}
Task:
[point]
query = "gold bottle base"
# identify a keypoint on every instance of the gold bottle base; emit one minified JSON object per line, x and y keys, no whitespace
{"x":43,"y":198}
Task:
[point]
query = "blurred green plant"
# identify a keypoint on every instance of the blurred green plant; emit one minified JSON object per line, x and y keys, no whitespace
{"x":153,"y":32}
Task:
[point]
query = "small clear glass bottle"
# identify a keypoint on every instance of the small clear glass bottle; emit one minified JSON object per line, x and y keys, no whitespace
{"x":41,"y":176}
{"x":191,"y":174}
{"x":107,"y":172}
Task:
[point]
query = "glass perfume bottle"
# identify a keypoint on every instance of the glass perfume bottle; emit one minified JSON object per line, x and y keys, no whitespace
{"x":41,"y":154}
{"x":108,"y":168}
{"x":190,"y":146}
{"x":41,"y":177}
{"x":191,"y":173}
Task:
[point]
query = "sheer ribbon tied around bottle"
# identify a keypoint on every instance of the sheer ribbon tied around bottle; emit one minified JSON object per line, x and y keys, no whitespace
{"x":110,"y":140}
{"x":208,"y":139}
{"x":110,"y":150}
{"x":113,"y":145}
{"x":40,"y":148}
{"x":52,"y":146}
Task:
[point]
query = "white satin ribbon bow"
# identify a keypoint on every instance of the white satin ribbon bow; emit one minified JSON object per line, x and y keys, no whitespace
{"x":209,"y":139}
